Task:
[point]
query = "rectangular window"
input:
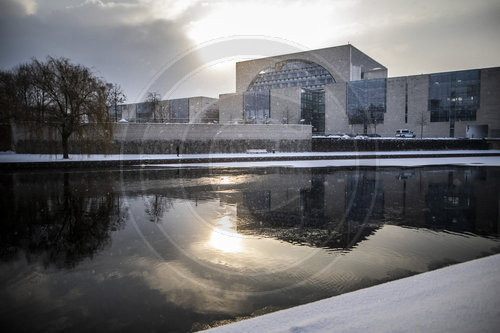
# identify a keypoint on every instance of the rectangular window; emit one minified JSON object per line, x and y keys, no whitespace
{"x":454,"y":96}
{"x":179,"y":109}
{"x":312,"y":104}
{"x":256,"y":105}
{"x":406,"y":101}
{"x":143,"y":112}
{"x":366,"y":101}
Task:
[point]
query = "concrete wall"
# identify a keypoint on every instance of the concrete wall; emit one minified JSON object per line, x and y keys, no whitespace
{"x":394,"y":117}
{"x":325,"y":144}
{"x":230,"y":108}
{"x":209,"y":138}
{"x":151,"y":138}
{"x":418,"y":107}
{"x":369,"y":68}
{"x":129,"y":112}
{"x":336,"y":120}
{"x":339,"y":61}
{"x":130,"y":131}
{"x":199,"y":106}
{"x":285,"y":105}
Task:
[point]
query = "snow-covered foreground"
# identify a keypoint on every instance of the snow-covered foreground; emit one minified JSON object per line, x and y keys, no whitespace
{"x":381,"y":158}
{"x":459,"y":298}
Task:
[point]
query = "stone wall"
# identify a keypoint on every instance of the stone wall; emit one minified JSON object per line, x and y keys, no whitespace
{"x":230,"y":108}
{"x":339,"y":61}
{"x":133,"y":138}
{"x":337,"y":144}
{"x":285,"y":105}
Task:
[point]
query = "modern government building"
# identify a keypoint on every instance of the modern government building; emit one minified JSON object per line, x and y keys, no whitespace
{"x":341,"y":90}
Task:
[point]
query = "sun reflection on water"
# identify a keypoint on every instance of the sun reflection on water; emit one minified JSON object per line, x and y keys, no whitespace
{"x":224,"y":237}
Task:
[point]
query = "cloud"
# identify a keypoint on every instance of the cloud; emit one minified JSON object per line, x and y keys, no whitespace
{"x":433,"y":39}
{"x":130,"y":41}
{"x":123,"y":41}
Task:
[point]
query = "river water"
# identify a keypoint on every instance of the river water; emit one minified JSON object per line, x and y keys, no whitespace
{"x":161,"y":249}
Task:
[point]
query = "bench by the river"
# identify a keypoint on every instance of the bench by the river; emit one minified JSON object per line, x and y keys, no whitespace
{"x":256,"y":151}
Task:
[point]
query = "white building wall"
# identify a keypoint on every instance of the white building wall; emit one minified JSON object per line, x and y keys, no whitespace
{"x":198,"y":107}
{"x":230,"y":108}
{"x":285,"y":105}
{"x":394,"y":117}
{"x":339,"y":61}
{"x":336,"y":120}
{"x":151,"y":131}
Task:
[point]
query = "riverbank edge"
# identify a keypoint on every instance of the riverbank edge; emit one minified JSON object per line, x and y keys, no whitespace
{"x":450,"y":299}
{"x":132,"y":160}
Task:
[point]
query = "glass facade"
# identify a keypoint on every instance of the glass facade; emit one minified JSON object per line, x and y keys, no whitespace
{"x":312,"y":106}
{"x":292,"y":74}
{"x":176,"y":111}
{"x":143,"y":112}
{"x":256,"y":105}
{"x":454,"y":96}
{"x":364,"y":197}
{"x":366,"y":101}
{"x":179,"y":110}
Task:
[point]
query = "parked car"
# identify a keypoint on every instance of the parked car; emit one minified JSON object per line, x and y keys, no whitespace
{"x":404,"y":133}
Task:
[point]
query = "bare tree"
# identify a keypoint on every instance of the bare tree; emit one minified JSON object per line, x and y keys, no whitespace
{"x":115,"y":96}
{"x":18,"y":94}
{"x":64,"y":96}
{"x":156,"y":206}
{"x":159,"y":111}
{"x":286,"y":115}
{"x":422,"y":121}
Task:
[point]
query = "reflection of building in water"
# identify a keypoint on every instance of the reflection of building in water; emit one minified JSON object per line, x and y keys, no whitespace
{"x":312,"y":203}
{"x":324,"y":211}
{"x":364,"y":197}
{"x":331,"y":200}
{"x":450,"y":206}
{"x":321,"y":207}
{"x":341,"y":208}
{"x":464,"y":200}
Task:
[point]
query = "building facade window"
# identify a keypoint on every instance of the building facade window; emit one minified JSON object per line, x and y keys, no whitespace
{"x":179,"y":109}
{"x":143,"y":112}
{"x":292,"y":73}
{"x":406,"y":100}
{"x":366,"y":101}
{"x":454,"y":96}
{"x":312,"y":106}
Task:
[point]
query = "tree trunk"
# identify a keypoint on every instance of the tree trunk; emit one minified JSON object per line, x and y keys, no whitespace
{"x":65,"y":146}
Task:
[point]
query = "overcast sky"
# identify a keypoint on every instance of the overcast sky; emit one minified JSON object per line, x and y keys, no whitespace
{"x":136,"y":42}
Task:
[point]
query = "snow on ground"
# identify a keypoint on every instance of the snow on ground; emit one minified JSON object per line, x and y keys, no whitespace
{"x":459,"y":298}
{"x":347,"y":158}
{"x":382,"y":162}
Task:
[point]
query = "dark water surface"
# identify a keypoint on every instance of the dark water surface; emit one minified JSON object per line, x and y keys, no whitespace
{"x":152,"y":249}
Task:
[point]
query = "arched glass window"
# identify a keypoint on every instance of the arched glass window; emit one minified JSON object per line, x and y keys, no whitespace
{"x":292,"y":73}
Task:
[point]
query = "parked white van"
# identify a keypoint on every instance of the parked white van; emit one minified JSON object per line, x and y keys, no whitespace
{"x":404,"y":133}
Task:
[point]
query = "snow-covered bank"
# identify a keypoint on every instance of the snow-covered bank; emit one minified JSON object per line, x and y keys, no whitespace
{"x":11,"y":157}
{"x":459,"y":298}
{"x":305,"y":159}
{"x":385,"y":162}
